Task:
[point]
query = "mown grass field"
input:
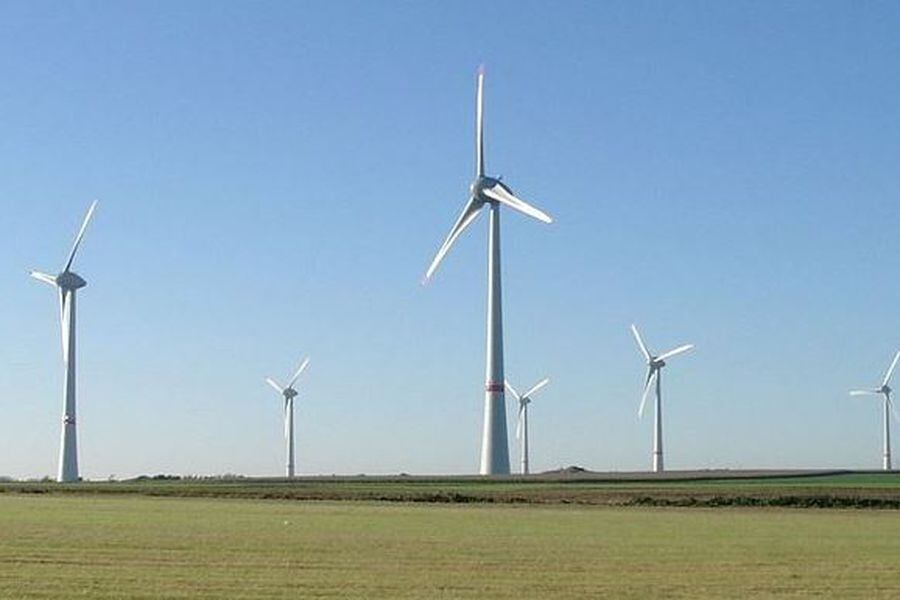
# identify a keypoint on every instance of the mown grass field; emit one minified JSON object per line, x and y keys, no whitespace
{"x":133,"y":546}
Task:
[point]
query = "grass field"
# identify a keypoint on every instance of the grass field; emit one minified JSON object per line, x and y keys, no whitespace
{"x":131,"y":546}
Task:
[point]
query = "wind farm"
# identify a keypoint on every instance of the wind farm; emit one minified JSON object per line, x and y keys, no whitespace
{"x":698,"y":209}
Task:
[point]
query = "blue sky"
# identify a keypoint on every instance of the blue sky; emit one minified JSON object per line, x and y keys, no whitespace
{"x":275,"y":177}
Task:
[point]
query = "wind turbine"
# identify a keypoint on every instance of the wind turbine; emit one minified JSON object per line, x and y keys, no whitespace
{"x":68,"y":283}
{"x":522,"y":427}
{"x":491,"y":192}
{"x":289,"y":393}
{"x":885,"y":390}
{"x":654,"y":373}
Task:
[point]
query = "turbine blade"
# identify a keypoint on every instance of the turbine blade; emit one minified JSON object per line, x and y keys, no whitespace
{"x":502,"y":194}
{"x":890,"y":371}
{"x":277,"y":387}
{"x":300,"y":370}
{"x":479,"y":124}
{"x":651,"y":377}
{"x":675,"y":352}
{"x":536,"y":387}
{"x":65,"y":316}
{"x":43,"y":277}
{"x":520,"y":423}
{"x":865,"y":392}
{"x":80,"y":236}
{"x":469,"y":213}
{"x":640,"y":342}
{"x":890,"y":403}
{"x":513,"y":390}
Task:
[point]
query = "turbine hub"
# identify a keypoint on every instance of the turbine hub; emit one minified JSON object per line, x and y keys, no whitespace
{"x":70,"y":281}
{"x":480,"y":184}
{"x":290,"y":393}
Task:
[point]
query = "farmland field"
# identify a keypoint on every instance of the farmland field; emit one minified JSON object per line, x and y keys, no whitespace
{"x":130,"y":545}
{"x":687,"y":489}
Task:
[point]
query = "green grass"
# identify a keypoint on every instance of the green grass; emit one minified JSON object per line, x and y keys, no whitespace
{"x":132,"y":546}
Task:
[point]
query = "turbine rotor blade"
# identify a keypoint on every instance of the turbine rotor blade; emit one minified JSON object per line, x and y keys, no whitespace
{"x":651,"y":377}
{"x":536,"y":387}
{"x":479,"y":124}
{"x":890,"y":371}
{"x":43,"y":277}
{"x":300,"y":370}
{"x":520,"y":422}
{"x":864,"y":392}
{"x":65,"y":317}
{"x":469,"y":213}
{"x":675,"y":352}
{"x":640,"y":342}
{"x":277,"y":387}
{"x":890,"y":402}
{"x":513,"y":390}
{"x":80,"y":236}
{"x":501,"y":194}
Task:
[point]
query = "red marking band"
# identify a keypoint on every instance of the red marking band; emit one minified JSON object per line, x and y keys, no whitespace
{"x":492,"y":386}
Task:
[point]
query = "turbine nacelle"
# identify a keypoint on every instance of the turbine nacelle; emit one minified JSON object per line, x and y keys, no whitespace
{"x":70,"y":281}
{"x":289,"y":394}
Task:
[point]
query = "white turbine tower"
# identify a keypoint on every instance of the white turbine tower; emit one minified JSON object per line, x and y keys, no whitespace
{"x":492,"y":192}
{"x":522,"y":426}
{"x":68,"y":283}
{"x":885,"y":391}
{"x":654,"y":373}
{"x":289,"y":393}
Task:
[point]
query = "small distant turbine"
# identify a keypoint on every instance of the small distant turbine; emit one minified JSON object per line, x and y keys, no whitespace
{"x":289,"y":393}
{"x":885,"y":391}
{"x":490,"y":192}
{"x":522,"y":427}
{"x":68,"y":283}
{"x":654,"y":373}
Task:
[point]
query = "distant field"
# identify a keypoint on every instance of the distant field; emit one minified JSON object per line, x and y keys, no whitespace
{"x":684,"y":489}
{"x":115,"y":546}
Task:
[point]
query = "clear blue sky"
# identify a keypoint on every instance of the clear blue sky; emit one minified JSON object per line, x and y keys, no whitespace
{"x":275,"y":177}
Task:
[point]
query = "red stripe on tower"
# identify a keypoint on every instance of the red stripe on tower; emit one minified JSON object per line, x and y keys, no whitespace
{"x":493,"y":386}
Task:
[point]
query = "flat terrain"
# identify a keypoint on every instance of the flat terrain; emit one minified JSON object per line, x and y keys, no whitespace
{"x":116,"y":546}
{"x":562,"y":535}
{"x":674,"y":489}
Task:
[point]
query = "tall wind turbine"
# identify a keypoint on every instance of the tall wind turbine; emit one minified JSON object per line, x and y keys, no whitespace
{"x":491,"y":192}
{"x":522,"y":426}
{"x":654,"y":374}
{"x":289,"y":393}
{"x":68,"y":283}
{"x":885,"y":391}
